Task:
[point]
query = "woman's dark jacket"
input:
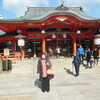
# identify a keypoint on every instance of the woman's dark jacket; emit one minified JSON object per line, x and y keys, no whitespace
{"x":39,"y":69}
{"x":95,"y":54}
{"x":76,"y":61}
{"x":88,"y":56}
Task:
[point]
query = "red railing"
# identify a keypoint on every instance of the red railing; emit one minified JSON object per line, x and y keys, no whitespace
{"x":12,"y":56}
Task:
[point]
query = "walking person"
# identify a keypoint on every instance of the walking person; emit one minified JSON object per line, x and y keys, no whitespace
{"x":43,"y":65}
{"x":88,"y":58}
{"x":80,"y":52}
{"x":95,"y":56}
{"x":76,"y":62}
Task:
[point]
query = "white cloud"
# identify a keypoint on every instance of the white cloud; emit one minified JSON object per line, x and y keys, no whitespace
{"x":18,"y":7}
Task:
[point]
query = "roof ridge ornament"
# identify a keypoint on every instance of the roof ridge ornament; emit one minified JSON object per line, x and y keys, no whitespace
{"x":62,"y":7}
{"x":81,"y":8}
{"x":62,"y":4}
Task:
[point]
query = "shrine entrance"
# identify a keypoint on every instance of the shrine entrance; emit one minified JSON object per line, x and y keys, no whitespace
{"x":65,"y":46}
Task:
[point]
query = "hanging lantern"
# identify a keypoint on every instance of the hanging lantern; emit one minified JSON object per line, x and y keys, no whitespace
{"x":19,"y":31}
{"x":43,"y":31}
{"x":64,"y":36}
{"x":97,"y":39}
{"x":78,"y":31}
{"x":53,"y":36}
{"x":21,"y":42}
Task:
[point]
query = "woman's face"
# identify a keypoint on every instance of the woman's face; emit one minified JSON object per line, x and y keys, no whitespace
{"x":43,"y":56}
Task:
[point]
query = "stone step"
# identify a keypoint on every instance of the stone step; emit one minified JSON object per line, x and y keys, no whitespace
{"x":30,"y":65}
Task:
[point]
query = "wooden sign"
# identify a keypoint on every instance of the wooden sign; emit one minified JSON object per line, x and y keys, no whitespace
{"x":6,"y":52}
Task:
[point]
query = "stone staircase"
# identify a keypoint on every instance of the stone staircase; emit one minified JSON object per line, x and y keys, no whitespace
{"x":30,"y":65}
{"x":24,"y":66}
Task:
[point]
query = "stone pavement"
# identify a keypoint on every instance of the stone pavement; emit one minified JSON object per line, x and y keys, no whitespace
{"x":64,"y":86}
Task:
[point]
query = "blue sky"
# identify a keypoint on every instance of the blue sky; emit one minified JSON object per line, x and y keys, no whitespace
{"x":16,"y":8}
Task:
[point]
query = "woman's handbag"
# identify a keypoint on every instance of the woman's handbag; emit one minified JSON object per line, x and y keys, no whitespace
{"x":50,"y":72}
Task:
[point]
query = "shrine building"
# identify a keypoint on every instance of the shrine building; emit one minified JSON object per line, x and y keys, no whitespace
{"x":44,"y":27}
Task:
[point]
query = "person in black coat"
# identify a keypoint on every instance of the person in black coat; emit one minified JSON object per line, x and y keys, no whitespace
{"x":43,"y":65}
{"x":76,"y":62}
{"x":88,"y":58}
{"x":95,"y":56}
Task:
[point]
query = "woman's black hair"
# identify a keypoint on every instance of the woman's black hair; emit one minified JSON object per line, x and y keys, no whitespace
{"x":44,"y":54}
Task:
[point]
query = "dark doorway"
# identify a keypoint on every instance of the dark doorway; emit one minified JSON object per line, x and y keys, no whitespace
{"x":2,"y":47}
{"x":63,"y":44}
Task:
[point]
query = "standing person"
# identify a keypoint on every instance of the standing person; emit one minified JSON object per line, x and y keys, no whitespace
{"x":80,"y":52}
{"x":58,"y":51}
{"x":44,"y":64}
{"x":95,"y":56}
{"x":29,"y":52}
{"x":88,"y":58}
{"x":50,"y":51}
{"x":76,"y":62}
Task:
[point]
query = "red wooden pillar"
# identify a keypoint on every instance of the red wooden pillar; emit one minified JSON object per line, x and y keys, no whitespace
{"x":13,"y":45}
{"x":73,"y":36}
{"x":43,"y":45}
{"x":23,"y":52}
{"x":74,"y":45}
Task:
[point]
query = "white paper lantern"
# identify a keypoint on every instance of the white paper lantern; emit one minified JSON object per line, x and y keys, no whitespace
{"x":43,"y":31}
{"x":53,"y":36}
{"x":78,"y":31}
{"x":64,"y":36}
{"x":21,"y":42}
{"x":97,"y":41}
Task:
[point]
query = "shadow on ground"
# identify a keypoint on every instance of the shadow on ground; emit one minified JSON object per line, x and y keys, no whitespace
{"x":69,"y":72}
{"x":37,"y":83}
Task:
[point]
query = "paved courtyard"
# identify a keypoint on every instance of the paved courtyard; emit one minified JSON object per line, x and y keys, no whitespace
{"x":64,"y":86}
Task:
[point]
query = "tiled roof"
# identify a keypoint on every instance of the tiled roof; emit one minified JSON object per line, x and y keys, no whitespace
{"x":39,"y":13}
{"x":42,"y":13}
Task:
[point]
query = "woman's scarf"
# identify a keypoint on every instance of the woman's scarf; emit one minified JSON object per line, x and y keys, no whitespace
{"x":44,"y":68}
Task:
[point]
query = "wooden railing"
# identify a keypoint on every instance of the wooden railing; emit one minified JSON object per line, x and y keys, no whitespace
{"x":13,"y":56}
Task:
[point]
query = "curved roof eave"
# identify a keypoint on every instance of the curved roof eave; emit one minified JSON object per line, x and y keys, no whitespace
{"x":79,"y":15}
{"x":76,"y":15}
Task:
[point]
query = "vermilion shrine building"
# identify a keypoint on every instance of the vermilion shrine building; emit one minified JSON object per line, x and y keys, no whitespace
{"x":45,"y":27}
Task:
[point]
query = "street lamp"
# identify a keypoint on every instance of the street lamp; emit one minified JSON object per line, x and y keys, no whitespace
{"x":21,"y":41}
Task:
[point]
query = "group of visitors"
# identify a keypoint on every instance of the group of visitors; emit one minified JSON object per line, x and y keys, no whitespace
{"x":87,"y":54}
{"x":44,"y":64}
{"x":79,"y":58}
{"x":56,"y":52}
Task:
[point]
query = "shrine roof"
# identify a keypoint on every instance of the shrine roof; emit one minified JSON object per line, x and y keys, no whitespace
{"x":37,"y":13}
{"x":42,"y":13}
